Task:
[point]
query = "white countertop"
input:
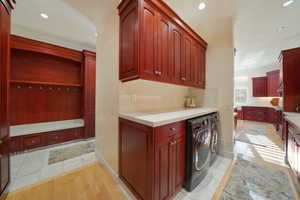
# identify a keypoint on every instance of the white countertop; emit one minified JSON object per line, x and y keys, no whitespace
{"x":163,"y":118}
{"x":27,"y":129}
{"x":293,"y":117}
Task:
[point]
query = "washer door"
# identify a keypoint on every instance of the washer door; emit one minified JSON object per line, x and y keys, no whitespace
{"x":201,"y":150}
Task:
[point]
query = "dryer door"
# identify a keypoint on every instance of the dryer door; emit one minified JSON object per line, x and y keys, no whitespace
{"x":201,"y":150}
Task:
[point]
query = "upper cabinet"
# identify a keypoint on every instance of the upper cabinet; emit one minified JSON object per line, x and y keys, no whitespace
{"x":260,"y":86}
{"x":155,"y":44}
{"x":290,"y":73}
{"x":267,"y":86}
{"x":273,"y":83}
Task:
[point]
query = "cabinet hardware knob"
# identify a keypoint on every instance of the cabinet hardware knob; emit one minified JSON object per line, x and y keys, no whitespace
{"x":173,"y":129}
{"x":156,"y":72}
{"x":159,"y":73}
{"x":1,"y":142}
{"x":183,"y":78}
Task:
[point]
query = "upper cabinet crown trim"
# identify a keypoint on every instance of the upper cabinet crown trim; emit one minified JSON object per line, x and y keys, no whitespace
{"x":290,"y":52}
{"x":171,"y":14}
{"x":26,"y":44}
{"x":8,"y":4}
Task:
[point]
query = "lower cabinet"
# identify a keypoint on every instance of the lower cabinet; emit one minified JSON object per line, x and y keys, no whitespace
{"x":293,"y":148}
{"x":261,"y":114}
{"x":152,"y":160}
{"x":32,"y":141}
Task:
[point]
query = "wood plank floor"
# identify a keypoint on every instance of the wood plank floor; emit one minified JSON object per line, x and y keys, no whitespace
{"x":91,"y":182}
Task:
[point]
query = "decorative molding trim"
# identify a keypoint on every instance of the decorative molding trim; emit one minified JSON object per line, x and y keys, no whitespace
{"x":115,"y":176}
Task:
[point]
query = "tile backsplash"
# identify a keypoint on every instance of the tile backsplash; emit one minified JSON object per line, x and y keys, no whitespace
{"x":148,"y":96}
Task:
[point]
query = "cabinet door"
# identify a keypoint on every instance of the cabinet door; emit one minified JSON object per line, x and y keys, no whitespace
{"x":164,"y":168}
{"x":129,"y":43}
{"x":175,"y":54}
{"x":163,"y":48}
{"x":273,"y":83}
{"x":179,"y":163}
{"x":259,"y":87}
{"x":149,"y":42}
{"x":186,"y":72}
{"x":198,"y":65}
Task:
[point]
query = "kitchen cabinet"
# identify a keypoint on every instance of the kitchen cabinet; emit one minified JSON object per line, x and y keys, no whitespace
{"x":159,"y":173}
{"x":155,"y":44}
{"x":33,"y":141}
{"x":259,"y":87}
{"x":293,"y":148}
{"x":262,"y":114}
{"x":6,"y":7}
{"x":273,"y":83}
{"x":290,"y":84}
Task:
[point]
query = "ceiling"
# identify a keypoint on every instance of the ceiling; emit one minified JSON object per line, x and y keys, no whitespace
{"x":65,"y":24}
{"x":263,"y":28}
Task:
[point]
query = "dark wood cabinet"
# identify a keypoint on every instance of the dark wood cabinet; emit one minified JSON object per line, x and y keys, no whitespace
{"x":261,"y":114}
{"x":6,"y":7}
{"x":259,"y":87}
{"x":155,"y":44}
{"x":273,"y":83}
{"x":290,"y":85}
{"x":161,"y":147}
{"x":293,"y":148}
{"x":33,"y":141}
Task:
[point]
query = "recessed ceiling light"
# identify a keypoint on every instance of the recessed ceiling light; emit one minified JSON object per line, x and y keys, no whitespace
{"x":287,"y":3}
{"x":44,"y":15}
{"x":202,"y":6}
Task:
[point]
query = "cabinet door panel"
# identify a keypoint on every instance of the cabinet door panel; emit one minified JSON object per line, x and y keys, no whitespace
{"x":149,"y":42}
{"x":179,"y":165}
{"x":273,"y":83}
{"x":128,"y":44}
{"x":163,"y":170}
{"x":259,"y":87}
{"x":175,"y":54}
{"x":163,"y":41}
{"x":186,"y":75}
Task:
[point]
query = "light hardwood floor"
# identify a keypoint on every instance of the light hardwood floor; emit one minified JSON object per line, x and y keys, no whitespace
{"x":91,"y":182}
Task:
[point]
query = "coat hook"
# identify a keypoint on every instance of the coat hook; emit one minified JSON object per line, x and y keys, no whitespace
{"x":18,"y":87}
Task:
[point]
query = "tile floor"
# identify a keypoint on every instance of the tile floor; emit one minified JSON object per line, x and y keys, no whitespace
{"x":32,"y":167}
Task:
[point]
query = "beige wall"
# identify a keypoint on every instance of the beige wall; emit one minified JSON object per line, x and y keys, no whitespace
{"x":107,"y":87}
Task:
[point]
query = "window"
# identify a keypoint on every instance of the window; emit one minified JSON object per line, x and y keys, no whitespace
{"x":240,"y":95}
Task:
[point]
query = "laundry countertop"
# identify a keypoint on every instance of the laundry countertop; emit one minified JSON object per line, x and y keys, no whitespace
{"x":156,"y":119}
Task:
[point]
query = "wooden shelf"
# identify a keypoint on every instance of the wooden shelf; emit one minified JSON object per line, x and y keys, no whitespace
{"x":46,"y":83}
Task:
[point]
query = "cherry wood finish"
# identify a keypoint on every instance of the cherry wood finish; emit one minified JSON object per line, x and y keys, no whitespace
{"x":155,"y":44}
{"x":260,"y":87}
{"x":5,"y":22}
{"x":59,"y":84}
{"x":262,"y":114}
{"x":32,"y":141}
{"x":273,"y":83}
{"x":89,"y":92}
{"x":160,"y":151}
{"x":293,"y":148}
{"x":290,"y":73}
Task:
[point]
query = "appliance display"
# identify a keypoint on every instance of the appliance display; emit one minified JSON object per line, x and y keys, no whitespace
{"x":201,"y":148}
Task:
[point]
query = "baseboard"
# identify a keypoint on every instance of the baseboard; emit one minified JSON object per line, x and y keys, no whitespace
{"x":115,"y":176}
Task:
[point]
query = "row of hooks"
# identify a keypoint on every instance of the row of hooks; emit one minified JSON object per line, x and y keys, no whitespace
{"x":44,"y":87}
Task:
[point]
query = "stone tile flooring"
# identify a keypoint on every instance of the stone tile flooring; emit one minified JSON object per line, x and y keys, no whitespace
{"x":32,"y":167}
{"x":206,"y":189}
{"x":249,"y":180}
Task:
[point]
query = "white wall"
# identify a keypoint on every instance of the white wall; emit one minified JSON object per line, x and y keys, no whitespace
{"x":243,"y":79}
